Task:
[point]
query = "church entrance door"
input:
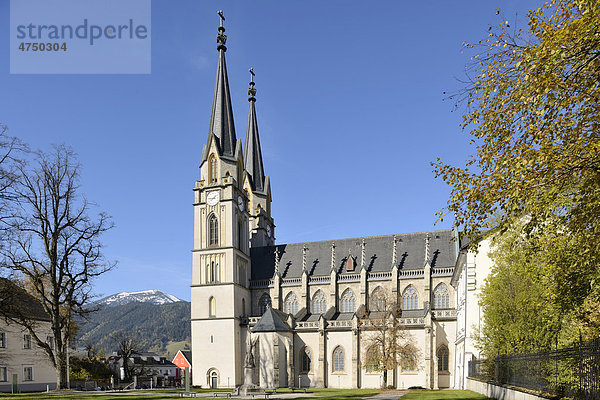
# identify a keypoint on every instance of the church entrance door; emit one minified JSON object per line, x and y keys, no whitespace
{"x":213,"y":380}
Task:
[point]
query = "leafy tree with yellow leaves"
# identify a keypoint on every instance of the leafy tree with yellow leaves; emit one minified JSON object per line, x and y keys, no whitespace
{"x":533,"y":111}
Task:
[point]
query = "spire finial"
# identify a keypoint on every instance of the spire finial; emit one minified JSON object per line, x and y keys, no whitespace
{"x":394,"y":252}
{"x":277,"y":259}
{"x":427,"y":247}
{"x":221,"y":36}
{"x":251,"y":89}
{"x":333,"y":255}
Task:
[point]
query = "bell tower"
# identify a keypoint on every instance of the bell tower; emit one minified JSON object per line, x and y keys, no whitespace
{"x":220,"y":257}
{"x":256,"y":184}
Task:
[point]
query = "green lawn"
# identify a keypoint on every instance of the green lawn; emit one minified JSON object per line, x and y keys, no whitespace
{"x":442,"y":395}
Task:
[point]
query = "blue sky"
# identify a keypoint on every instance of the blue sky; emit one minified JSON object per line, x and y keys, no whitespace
{"x":350,"y":107}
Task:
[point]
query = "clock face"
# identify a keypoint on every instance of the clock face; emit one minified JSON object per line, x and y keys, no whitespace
{"x":240,"y":203}
{"x":268,"y":230}
{"x":212,"y":198}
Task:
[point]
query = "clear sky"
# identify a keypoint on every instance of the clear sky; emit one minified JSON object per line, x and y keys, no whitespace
{"x":350,"y":107}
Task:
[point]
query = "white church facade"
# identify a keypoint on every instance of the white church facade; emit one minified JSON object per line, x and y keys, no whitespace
{"x":298,"y":311}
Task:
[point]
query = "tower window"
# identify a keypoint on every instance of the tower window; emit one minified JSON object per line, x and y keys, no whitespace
{"x":240,"y":235}
{"x":306,"y":360}
{"x":212,"y":169}
{"x":213,"y":230}
{"x":212,"y":272}
{"x":212,"y":307}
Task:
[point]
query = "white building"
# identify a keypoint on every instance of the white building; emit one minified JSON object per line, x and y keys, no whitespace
{"x":299,"y":310}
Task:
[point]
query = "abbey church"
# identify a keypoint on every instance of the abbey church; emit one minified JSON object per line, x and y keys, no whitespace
{"x":295,"y":315}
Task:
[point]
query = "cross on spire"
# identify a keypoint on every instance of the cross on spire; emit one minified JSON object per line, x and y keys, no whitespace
{"x":220,"y":12}
{"x":221,"y":36}
{"x":251,"y":89}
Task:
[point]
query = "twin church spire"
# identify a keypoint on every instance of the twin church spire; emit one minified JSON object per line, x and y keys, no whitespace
{"x":222,"y":127}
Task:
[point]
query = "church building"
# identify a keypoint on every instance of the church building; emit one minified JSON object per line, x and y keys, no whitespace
{"x":301,"y":314}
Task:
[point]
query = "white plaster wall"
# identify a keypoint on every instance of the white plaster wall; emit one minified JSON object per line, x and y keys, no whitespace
{"x":339,"y":379}
{"x":310,"y":339}
{"x":213,"y":344}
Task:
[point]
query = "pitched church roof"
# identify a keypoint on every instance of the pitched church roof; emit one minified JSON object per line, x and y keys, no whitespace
{"x":271,"y":321}
{"x":222,"y":128}
{"x":253,"y":155}
{"x":378,"y":254}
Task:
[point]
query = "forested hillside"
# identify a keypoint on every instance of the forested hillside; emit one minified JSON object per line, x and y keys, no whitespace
{"x":153,"y":326}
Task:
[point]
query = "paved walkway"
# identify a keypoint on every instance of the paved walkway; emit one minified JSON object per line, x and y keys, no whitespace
{"x":387,"y":396}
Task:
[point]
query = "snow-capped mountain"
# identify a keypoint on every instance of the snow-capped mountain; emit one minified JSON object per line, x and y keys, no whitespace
{"x":144,"y":296}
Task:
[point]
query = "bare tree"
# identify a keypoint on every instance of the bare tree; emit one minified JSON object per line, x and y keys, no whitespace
{"x":12,"y":152}
{"x":387,"y":344}
{"x":127,"y":346}
{"x":54,"y":247}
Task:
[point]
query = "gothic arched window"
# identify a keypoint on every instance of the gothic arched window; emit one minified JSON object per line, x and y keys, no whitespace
{"x":212,"y":169}
{"x":306,"y":360}
{"x":212,"y":307}
{"x":348,"y":301}
{"x":290,"y":305}
{"x":372,"y":359}
{"x":441,"y":297}
{"x":212,"y":272}
{"x":377,"y":300}
{"x":263,"y":303}
{"x":240,"y":235}
{"x":338,"y":359}
{"x":319,"y":303}
{"x":442,"y":356}
{"x":213,"y":230}
{"x":410,"y":299}
{"x":408,"y":361}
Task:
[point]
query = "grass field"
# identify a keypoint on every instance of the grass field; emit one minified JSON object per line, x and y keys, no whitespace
{"x":320,"y":394}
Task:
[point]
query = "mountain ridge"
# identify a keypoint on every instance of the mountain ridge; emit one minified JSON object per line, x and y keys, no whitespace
{"x":152,"y":296}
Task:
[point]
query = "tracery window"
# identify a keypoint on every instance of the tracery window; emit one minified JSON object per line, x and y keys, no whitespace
{"x":442,"y":356}
{"x":264,"y":303}
{"x":348,"y":301}
{"x":319,"y":303}
{"x":290,"y":305}
{"x":212,"y":272}
{"x":213,"y":230}
{"x":338,"y":359}
{"x":377,"y":300}
{"x":441,"y":297}
{"x":306,"y":360}
{"x":410,"y":299}
{"x":372,"y":358}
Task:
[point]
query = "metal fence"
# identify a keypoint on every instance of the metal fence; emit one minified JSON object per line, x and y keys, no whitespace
{"x":572,"y":372}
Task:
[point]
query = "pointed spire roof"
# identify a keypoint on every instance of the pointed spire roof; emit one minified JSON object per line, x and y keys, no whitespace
{"x":221,"y":127}
{"x":253,"y":154}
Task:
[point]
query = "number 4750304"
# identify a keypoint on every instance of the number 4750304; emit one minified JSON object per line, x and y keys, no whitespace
{"x":24,"y":46}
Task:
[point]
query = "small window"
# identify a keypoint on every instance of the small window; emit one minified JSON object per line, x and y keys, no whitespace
{"x":212,"y":307}
{"x":212,"y":169}
{"x":348,"y":302}
{"x":27,"y":341}
{"x":3,"y":374}
{"x":338,"y":359}
{"x":442,"y":355}
{"x":410,"y":299}
{"x":27,"y":373}
{"x":319,"y":303}
{"x":3,"y":340}
{"x":306,"y":360}
{"x":50,"y":341}
{"x":290,"y":305}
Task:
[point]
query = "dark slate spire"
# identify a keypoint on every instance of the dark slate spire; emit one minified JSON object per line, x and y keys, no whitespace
{"x":221,"y":118}
{"x":253,"y":155}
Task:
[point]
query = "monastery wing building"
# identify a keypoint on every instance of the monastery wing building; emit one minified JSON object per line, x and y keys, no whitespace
{"x":298,"y":313}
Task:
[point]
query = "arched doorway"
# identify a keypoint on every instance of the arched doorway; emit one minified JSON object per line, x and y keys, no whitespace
{"x":213,"y":378}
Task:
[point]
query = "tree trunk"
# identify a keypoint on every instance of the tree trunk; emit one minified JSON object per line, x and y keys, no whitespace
{"x":62,"y":370}
{"x":385,"y":378}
